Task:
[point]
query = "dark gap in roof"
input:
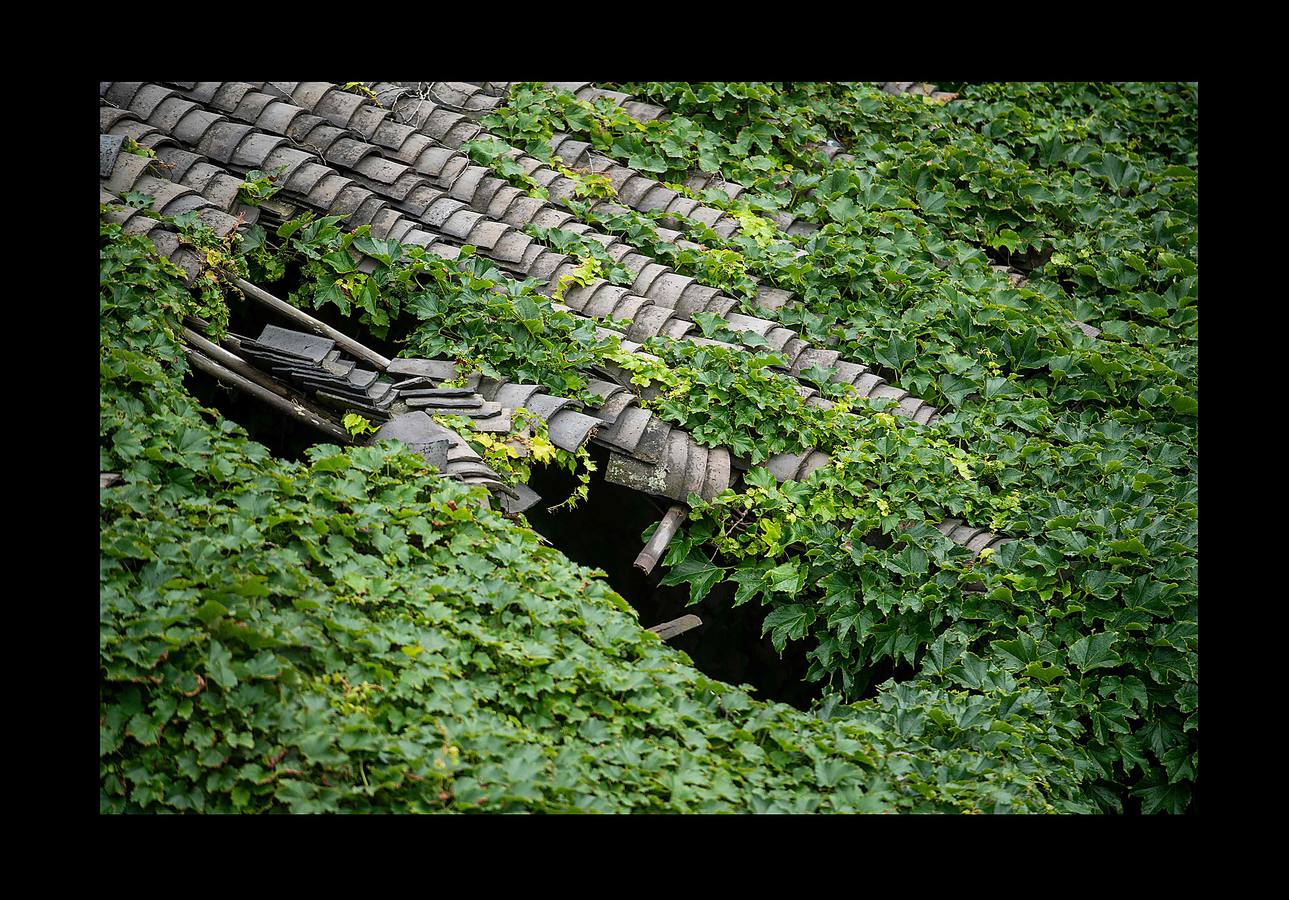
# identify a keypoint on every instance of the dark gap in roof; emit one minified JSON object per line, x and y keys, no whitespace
{"x":285,"y":437}
{"x":868,"y":680}
{"x":396,"y":340}
{"x":604,"y":532}
{"x":256,"y":316}
{"x":1026,"y":262}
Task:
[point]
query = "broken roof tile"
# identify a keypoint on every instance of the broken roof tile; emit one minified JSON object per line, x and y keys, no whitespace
{"x":341,"y":402}
{"x":296,"y":343}
{"x":469,"y":400}
{"x":438,"y":369}
{"x":435,"y":405}
{"x":411,"y":428}
{"x":442,"y":393}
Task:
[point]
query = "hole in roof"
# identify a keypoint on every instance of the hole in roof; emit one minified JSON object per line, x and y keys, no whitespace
{"x":604,"y":531}
{"x":249,"y":318}
{"x":285,"y":437}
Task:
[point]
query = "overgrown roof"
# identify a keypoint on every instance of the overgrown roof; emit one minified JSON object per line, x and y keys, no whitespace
{"x":1022,"y":551}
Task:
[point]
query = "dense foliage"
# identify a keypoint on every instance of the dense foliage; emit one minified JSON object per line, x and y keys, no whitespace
{"x":355,"y":633}
{"x":1062,"y":669}
{"x":1087,"y":445}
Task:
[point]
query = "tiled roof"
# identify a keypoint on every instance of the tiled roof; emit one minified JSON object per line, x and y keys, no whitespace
{"x":393,"y":163}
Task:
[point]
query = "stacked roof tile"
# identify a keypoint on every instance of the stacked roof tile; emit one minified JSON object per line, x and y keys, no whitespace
{"x":393,"y":165}
{"x":635,"y":436}
{"x":640,"y":191}
{"x":774,"y":299}
{"x":449,"y":453}
{"x":659,"y":302}
{"x":452,"y":130}
{"x":314,"y":365}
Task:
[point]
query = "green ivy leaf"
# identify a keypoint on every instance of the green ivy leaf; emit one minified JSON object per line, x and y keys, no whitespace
{"x":698,"y":571}
{"x":219,"y":666}
{"x":787,"y":623}
{"x":788,"y":578}
{"x":1093,"y":652}
{"x":910,"y":561}
{"x":897,"y":353}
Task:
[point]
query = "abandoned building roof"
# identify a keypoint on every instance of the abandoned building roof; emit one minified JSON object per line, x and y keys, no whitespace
{"x":387,"y":161}
{"x":969,"y":315}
